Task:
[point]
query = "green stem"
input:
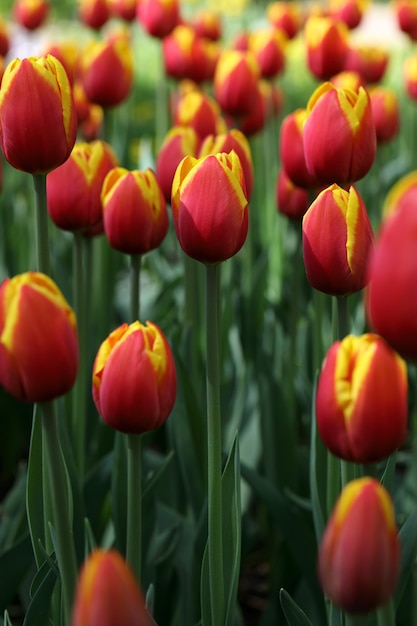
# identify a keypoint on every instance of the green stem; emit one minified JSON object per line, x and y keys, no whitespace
{"x":135,"y":266}
{"x":385,"y":615}
{"x":343,"y":318}
{"x":134,"y":503}
{"x":356,"y":620}
{"x":60,"y":509}
{"x":214,"y":447}
{"x":41,"y":224}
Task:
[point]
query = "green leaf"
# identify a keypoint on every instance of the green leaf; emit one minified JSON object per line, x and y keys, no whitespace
{"x":318,"y":472}
{"x":293,"y":614}
{"x":119,"y":491}
{"x":13,"y":520}
{"x":6,"y":621}
{"x":34,"y":493}
{"x":408,"y":539}
{"x":39,"y":607}
{"x":14,"y":564}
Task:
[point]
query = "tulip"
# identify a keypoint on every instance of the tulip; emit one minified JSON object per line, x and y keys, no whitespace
{"x":107,"y":71}
{"x":38,"y":133}
{"x":406,"y":14}
{"x":291,"y":201}
{"x":370,"y":61}
{"x":385,"y":111}
{"x":199,"y":111}
{"x":291,"y":149}
{"x":210,"y":207}
{"x":285,"y":16}
{"x":268,"y":103}
{"x":134,"y":378}
{"x":391,"y":299}
{"x":402,"y":193}
{"x":134,"y":210}
{"x":91,"y":127}
{"x":124,"y":9}
{"x":30,"y":13}
{"x":326,"y":45}
{"x":107,"y":593}
{"x":180,"y":141}
{"x":226,"y":142}
{"x":158,"y":17}
{"x":4,"y":37}
{"x":268,"y":47}
{"x":207,"y":23}
{"x":361,"y":401}
{"x":67,"y":53}
{"x":359,"y":554}
{"x":337,"y":241}
{"x":38,"y":339}
{"x":235,"y":82}
{"x":186,"y":55}
{"x":410,"y":76}
{"x":348,"y":79}
{"x":94,"y":13}
{"x":339,"y":135}
{"x":73,"y":189}
{"x":348,"y":11}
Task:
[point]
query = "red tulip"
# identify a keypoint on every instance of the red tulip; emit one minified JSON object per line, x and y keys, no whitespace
{"x":38,"y":339}
{"x":291,"y":149}
{"x":291,"y":201}
{"x":158,"y":17}
{"x":268,"y":46}
{"x":125,"y":9}
{"x":67,"y":53}
{"x":134,"y":378}
{"x":186,"y":55}
{"x":326,"y":45}
{"x":94,"y":13}
{"x":236,"y":81}
{"x":348,"y":79}
{"x":207,"y":23}
{"x":180,"y":141}
{"x":406,"y":14}
{"x":402,"y":193}
{"x":348,"y":11}
{"x":385,"y":111}
{"x":285,"y":16}
{"x":199,"y":111}
{"x":30,"y":13}
{"x":370,"y":61}
{"x":410,"y":76}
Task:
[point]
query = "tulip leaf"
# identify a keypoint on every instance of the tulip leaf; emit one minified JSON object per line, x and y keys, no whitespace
{"x":318,"y":462}
{"x":119,"y":490}
{"x":408,"y":539}
{"x":293,"y":614}
{"x":14,"y":564}
{"x":6,"y":621}
{"x":34,"y":495}
{"x":96,"y":491}
{"x":42,"y":589}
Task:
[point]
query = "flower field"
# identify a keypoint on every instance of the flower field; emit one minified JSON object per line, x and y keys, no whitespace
{"x":208,"y":313}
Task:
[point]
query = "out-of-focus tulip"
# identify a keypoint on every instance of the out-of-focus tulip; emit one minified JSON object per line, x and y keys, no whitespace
{"x":107,"y":71}
{"x":348,"y":11}
{"x":359,"y":554}
{"x":267,"y":105}
{"x":361,"y":401}
{"x":337,"y":241}
{"x":199,"y":111}
{"x":67,"y":53}
{"x":210,"y":207}
{"x":268,"y":47}
{"x":30,"y":13}
{"x":38,"y":133}
{"x":291,"y":150}
{"x":180,"y":141}
{"x":134,"y":210}
{"x":2,"y":68}
{"x":73,"y":189}
{"x":207,"y":23}
{"x":386,"y":112}
{"x":410,"y":76}
{"x":291,"y":201}
{"x":236,"y":140}
{"x":406,"y":14}
{"x":370,"y":62}
{"x":241,"y":41}
{"x":38,"y":339}
{"x":402,"y":193}
{"x":186,"y":55}
{"x":339,"y":134}
{"x":124,"y":9}
{"x":134,"y":378}
{"x":94,"y":13}
{"x":91,"y":127}
{"x":326,"y":42}
{"x":4,"y":37}
{"x":235,"y":82}
{"x":285,"y":16}
{"x":107,"y":593}
{"x":158,"y":17}
{"x":391,"y":299}
{"x":348,"y":79}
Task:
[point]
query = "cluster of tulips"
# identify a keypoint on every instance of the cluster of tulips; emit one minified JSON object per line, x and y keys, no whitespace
{"x":53,"y":112}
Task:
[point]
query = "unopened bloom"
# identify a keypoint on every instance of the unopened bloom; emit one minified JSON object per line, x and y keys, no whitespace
{"x":402,"y":193}
{"x":38,"y":339}
{"x":410,"y":76}
{"x":134,"y":378}
{"x":406,"y":14}
{"x":74,"y":188}
{"x":125,"y":9}
{"x":385,"y":111}
{"x":208,"y":24}
{"x":348,"y":11}
{"x":337,"y":241}
{"x":179,"y":142}
{"x":30,"y":13}
{"x":67,"y":53}
{"x":210,"y":207}
{"x":107,"y":593}
{"x":369,"y":60}
{"x":339,"y":134}
{"x":268,"y":46}
{"x":291,"y":149}
{"x":37,"y":133}
{"x":107,"y":71}
{"x":235,"y":81}
{"x":291,"y":201}
{"x":198,"y":110}
{"x":134,"y":210}
{"x":187,"y":55}
{"x":94,"y":13}
{"x":158,"y":17}
{"x":326,"y":41}
{"x":359,"y":554}
{"x":361,"y":401}
{"x":285,"y":16}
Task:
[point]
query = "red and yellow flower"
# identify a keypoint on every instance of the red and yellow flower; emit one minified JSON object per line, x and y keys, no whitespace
{"x":197,"y":110}
{"x":291,"y":149}
{"x":94,"y":13}
{"x":285,"y":16}
{"x":359,"y":555}
{"x":385,"y":111}
{"x":269,"y":49}
{"x":326,"y":44}
{"x":236,"y":81}
{"x":30,"y":13}
{"x":179,"y":142}
{"x":369,"y":60}
{"x":38,"y":339}
{"x":158,"y":17}
{"x":134,"y":378}
{"x":291,"y":201}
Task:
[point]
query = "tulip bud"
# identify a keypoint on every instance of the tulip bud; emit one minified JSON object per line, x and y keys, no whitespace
{"x":134,"y":210}
{"x":207,"y":23}
{"x":369,"y":61}
{"x":210,"y":207}
{"x":326,"y":41}
{"x":268,"y":101}
{"x":348,"y":79}
{"x":67,"y":53}
{"x":402,"y":193}
{"x":361,"y":401}
{"x":94,"y":13}
{"x":38,"y":133}
{"x":406,"y":14}
{"x":268,"y":47}
{"x":339,"y":135}
{"x":410,"y":76}
{"x":73,"y":189}
{"x":186,"y":55}
{"x":291,"y":150}
{"x":107,"y":593}
{"x":292,"y":201}
{"x":391,"y":299}
{"x":134,"y":378}
{"x":158,"y":17}
{"x":91,"y":127}
{"x":385,"y":111}
{"x":285,"y":16}
{"x":359,"y":555}
{"x":30,"y":13}
{"x":199,"y":111}
{"x":235,"y":82}
{"x":337,"y":240}
{"x":180,"y":141}
{"x":350,"y":12}
{"x":38,"y":339}
{"x":107,"y":71}
{"x":124,"y":9}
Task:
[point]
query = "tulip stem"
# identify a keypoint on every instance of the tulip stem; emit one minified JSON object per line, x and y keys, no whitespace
{"x":60,"y":506}
{"x":385,"y":615}
{"x":135,"y":267}
{"x":356,"y":620}
{"x":214,"y":447}
{"x":41,"y":224}
{"x":134,"y":503}
{"x":343,"y":319}
{"x":79,"y":390}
